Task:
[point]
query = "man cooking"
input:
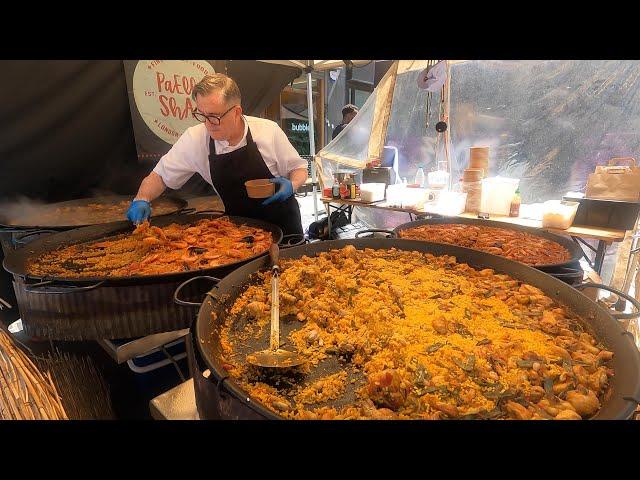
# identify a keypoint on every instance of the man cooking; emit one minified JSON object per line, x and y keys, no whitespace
{"x":227,"y":149}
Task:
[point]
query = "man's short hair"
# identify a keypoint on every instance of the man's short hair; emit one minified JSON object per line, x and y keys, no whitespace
{"x":349,"y":108}
{"x":218,"y":82}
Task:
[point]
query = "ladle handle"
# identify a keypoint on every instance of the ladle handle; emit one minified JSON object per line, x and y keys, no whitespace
{"x":274,"y":253}
{"x":274,"y":341}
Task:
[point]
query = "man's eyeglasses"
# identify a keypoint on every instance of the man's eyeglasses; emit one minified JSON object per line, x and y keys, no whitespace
{"x":213,"y":119}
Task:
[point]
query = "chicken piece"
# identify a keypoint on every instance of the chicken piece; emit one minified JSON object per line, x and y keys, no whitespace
{"x":309,"y":275}
{"x":568,"y":415}
{"x":549,"y":323}
{"x":585,"y":403}
{"x":446,"y":408}
{"x":517,"y":411}
{"x":388,"y":389}
{"x":256,"y":308}
{"x":440,"y":325}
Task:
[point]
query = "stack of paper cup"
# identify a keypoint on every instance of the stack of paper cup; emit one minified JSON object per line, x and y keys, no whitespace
{"x":479,"y":158}
{"x":472,"y":174}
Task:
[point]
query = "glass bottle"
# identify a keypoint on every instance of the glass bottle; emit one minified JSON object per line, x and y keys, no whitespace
{"x":335,"y":190}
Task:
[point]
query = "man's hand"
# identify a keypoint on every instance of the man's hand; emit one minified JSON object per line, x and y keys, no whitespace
{"x":139,"y":211}
{"x":284,"y":192}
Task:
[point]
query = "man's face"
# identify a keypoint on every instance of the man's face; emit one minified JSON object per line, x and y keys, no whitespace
{"x":214,"y":104}
{"x":349,"y":116}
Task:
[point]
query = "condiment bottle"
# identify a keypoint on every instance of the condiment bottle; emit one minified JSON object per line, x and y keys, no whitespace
{"x":419,"y":178}
{"x":335,"y":190}
{"x":514,"y":211}
{"x":344,"y":191}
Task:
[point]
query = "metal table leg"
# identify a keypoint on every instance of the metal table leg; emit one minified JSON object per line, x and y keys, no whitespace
{"x":632,"y":263}
{"x":600,"y":252}
{"x":328,"y":207}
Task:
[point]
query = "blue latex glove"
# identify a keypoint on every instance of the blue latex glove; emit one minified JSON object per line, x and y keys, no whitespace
{"x":139,"y":211}
{"x":284,"y":192}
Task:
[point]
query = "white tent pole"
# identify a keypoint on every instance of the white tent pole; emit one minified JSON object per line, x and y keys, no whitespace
{"x":312,"y":142}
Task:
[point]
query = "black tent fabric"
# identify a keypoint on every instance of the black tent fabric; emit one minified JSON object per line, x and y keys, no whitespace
{"x":65,"y":130}
{"x":260,"y":82}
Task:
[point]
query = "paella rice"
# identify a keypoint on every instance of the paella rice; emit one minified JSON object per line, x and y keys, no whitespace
{"x":393,"y":334}
{"x":512,"y":244}
{"x":91,"y":213}
{"x":152,"y":250}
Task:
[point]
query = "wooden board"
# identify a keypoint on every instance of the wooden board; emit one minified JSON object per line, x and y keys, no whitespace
{"x":350,"y":201}
{"x":379,"y":204}
{"x":606,"y":234}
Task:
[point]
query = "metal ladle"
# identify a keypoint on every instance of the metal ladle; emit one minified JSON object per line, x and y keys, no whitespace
{"x":274,"y":356}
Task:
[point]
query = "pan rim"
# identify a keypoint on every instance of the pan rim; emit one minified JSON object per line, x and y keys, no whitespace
{"x":244,"y":272}
{"x":12,"y":261}
{"x":180,"y":204}
{"x":574,"y":250}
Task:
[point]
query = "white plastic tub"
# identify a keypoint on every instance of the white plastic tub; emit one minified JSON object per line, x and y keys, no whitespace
{"x":558,"y":214}
{"x":448,"y":204}
{"x":497,"y":194}
{"x":395,"y":194}
{"x":401,"y":196}
{"x":372,"y":192}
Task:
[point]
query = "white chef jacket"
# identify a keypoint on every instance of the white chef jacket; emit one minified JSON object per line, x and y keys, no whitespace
{"x":190,"y":154}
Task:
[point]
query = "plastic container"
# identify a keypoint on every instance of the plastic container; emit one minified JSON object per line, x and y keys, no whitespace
{"x":419,"y":178}
{"x":559,"y":214}
{"x":497,"y":194}
{"x":438,"y":179}
{"x":414,"y":198}
{"x":372,"y":192}
{"x":260,"y":188}
{"x":395,"y":194}
{"x":448,"y":204}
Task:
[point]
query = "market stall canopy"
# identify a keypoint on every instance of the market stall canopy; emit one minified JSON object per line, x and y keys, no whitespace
{"x":307,"y":67}
{"x":81,"y":141}
{"x":319,"y":65}
{"x":259,"y":82}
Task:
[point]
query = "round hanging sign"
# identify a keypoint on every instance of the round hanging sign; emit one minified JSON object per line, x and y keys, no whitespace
{"x":162,"y":93}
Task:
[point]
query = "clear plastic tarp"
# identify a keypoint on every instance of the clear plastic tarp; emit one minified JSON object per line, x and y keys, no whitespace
{"x":351,"y":143}
{"x":409,"y":130}
{"x":411,"y":134}
{"x":548,"y":123}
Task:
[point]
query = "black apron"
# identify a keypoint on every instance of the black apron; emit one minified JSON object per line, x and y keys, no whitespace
{"x":230,"y":170}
